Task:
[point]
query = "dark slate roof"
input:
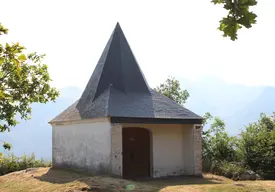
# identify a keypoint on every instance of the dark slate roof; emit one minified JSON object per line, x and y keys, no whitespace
{"x":118,"y":88}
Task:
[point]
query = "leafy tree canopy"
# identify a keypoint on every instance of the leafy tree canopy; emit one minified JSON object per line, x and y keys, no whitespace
{"x":171,"y":88}
{"x":257,"y":143}
{"x":23,"y":80}
{"x":239,"y":15}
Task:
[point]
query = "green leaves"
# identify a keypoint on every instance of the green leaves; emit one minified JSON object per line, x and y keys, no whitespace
{"x":22,"y":57}
{"x":7,"y":146}
{"x":217,"y":144}
{"x":23,"y":80}
{"x":239,"y":15}
{"x":257,"y":143}
{"x":206,"y":117}
{"x":3,"y":30}
{"x":171,"y":88}
{"x":2,"y":60}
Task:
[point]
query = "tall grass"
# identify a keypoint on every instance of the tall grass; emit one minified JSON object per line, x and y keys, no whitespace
{"x":12,"y":163}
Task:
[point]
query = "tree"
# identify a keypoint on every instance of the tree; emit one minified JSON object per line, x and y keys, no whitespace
{"x":23,"y":80}
{"x":218,"y":146}
{"x":257,"y":143}
{"x":222,"y":145}
{"x":171,"y":88}
{"x":239,"y":15}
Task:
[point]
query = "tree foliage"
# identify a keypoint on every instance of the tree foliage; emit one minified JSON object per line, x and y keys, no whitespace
{"x":171,"y":88}
{"x":254,"y":149}
{"x":218,"y":146}
{"x":221,"y":144}
{"x":239,"y":15}
{"x":257,"y":142}
{"x":23,"y":80}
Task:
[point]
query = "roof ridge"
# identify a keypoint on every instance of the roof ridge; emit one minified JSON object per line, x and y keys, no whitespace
{"x":95,"y":96}
{"x":108,"y":102}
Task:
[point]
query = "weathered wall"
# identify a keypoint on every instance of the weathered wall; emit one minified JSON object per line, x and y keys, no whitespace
{"x":83,"y":145}
{"x":116,"y":150}
{"x":197,"y":149}
{"x":172,"y":147}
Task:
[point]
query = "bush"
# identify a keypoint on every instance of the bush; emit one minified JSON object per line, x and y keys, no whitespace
{"x":253,"y":149}
{"x":257,"y":143}
{"x":12,"y":163}
{"x":218,"y":146}
{"x":232,"y":170}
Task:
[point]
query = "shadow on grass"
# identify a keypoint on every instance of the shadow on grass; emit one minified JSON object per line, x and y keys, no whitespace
{"x":61,"y":176}
{"x":181,"y":180}
{"x":106,"y":183}
{"x":93,"y":183}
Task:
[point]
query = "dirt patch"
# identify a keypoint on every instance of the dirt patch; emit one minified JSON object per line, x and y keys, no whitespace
{"x":45,"y":179}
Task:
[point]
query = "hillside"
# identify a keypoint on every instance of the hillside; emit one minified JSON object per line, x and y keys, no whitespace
{"x":265,"y":102}
{"x":236,"y":104}
{"x":218,"y":97}
{"x":45,"y":179}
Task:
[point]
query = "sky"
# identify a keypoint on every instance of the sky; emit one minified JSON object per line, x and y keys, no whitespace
{"x":169,"y":38}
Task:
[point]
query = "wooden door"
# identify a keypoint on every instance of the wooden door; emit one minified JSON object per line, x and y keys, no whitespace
{"x":136,"y":153}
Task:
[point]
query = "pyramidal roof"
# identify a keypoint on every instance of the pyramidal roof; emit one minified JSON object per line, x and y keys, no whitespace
{"x":119,"y":90}
{"x":117,"y":67}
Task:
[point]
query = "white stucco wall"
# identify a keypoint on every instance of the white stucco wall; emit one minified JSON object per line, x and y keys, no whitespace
{"x":84,"y":145}
{"x":188,"y":148}
{"x":172,"y":149}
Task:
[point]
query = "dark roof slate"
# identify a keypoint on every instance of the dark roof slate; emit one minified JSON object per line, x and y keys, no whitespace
{"x":113,"y":103}
{"x":118,"y":88}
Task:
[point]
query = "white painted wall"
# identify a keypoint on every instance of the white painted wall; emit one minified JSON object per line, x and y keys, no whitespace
{"x":85,"y":144}
{"x":172,"y":148}
{"x":97,"y":146}
{"x":188,"y":148}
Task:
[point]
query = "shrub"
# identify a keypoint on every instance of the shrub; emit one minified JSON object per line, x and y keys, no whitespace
{"x":253,"y":149}
{"x":257,"y":143}
{"x":218,"y":146}
{"x":232,"y":170}
{"x":12,"y":163}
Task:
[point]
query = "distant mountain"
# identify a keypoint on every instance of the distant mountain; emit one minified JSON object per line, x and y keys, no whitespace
{"x":265,"y":103}
{"x":238,"y":105}
{"x":218,"y":97}
{"x":35,"y":135}
{"x":226,"y":100}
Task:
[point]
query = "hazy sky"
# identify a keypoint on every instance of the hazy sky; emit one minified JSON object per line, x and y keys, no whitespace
{"x":178,"y":38}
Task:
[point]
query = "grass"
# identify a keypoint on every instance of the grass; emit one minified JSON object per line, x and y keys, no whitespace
{"x":12,"y":163}
{"x":54,"y":180}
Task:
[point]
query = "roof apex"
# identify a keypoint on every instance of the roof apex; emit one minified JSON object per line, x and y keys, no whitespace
{"x":117,"y":24}
{"x":117,"y":66}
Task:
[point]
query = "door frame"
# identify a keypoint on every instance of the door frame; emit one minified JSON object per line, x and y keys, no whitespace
{"x":150,"y":149}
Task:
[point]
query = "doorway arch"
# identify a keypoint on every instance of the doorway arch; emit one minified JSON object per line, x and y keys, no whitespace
{"x":136,"y":146}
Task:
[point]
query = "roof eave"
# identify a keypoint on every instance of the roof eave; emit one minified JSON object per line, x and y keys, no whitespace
{"x":156,"y":120}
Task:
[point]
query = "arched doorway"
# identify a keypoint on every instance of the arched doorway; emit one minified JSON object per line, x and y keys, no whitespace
{"x":136,"y":152}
